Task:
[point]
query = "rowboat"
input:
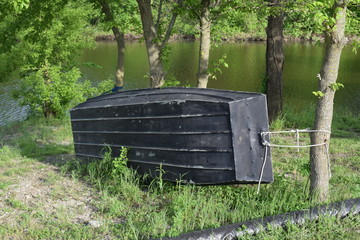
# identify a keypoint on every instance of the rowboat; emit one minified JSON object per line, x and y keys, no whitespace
{"x":192,"y":135}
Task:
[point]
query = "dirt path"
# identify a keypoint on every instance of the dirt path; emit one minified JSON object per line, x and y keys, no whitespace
{"x":41,"y":193}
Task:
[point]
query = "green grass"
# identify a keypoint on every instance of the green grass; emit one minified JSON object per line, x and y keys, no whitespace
{"x":175,"y":208}
{"x":130,"y":206}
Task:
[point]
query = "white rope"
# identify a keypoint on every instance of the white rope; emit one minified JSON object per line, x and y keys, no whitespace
{"x":307,"y":130}
{"x":262,"y":169}
{"x":267,"y":145}
{"x":296,"y":131}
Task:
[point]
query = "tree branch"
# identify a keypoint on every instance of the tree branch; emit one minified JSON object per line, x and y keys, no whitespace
{"x":157,"y":25}
{"x":171,"y":24}
{"x":105,"y":7}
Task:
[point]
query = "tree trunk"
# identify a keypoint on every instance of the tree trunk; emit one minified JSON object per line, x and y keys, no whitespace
{"x":204,"y":51}
{"x":120,"y":41}
{"x":334,"y":43}
{"x":274,"y":60}
{"x":47,"y":110}
{"x":152,"y":46}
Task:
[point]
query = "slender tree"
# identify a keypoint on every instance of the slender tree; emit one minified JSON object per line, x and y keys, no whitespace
{"x":332,"y":18}
{"x":207,"y":12}
{"x":154,"y":39}
{"x":120,"y":41}
{"x":205,"y":44}
{"x":274,"y":58}
{"x":120,"y":17}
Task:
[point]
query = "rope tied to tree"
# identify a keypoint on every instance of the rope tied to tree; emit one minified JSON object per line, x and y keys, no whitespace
{"x":267,"y":145}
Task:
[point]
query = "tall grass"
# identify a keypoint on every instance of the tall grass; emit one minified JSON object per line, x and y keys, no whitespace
{"x":168,"y":209}
{"x":343,"y":120}
{"x":136,"y":207}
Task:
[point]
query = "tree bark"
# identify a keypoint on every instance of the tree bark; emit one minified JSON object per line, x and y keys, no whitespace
{"x":120,"y":41}
{"x":204,"y":51}
{"x":334,"y":43}
{"x":152,"y":46}
{"x":274,"y":61}
{"x":120,"y":72}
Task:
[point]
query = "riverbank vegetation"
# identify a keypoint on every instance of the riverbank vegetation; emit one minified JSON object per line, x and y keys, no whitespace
{"x":40,"y":40}
{"x":47,"y":193}
{"x":243,"y":21}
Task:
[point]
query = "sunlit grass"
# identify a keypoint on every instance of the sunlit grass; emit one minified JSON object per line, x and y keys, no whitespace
{"x":136,"y":207}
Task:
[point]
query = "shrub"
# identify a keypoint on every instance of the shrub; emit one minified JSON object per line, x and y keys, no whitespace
{"x":52,"y":90}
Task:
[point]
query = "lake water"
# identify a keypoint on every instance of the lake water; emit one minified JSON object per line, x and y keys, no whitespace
{"x":245,"y":72}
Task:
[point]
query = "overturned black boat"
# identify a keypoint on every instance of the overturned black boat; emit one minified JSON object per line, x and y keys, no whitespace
{"x":201,"y":136}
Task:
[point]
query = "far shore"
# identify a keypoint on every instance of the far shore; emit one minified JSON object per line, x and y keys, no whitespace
{"x":238,"y":38}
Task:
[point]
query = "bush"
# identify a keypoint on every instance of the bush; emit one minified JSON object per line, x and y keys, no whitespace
{"x":52,"y":90}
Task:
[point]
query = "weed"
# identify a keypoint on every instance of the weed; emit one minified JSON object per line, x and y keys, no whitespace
{"x":120,"y":163}
{"x":4,"y":185}
{"x":158,"y":184}
{"x":278,"y":123}
{"x":11,"y":202}
{"x":7,"y":154}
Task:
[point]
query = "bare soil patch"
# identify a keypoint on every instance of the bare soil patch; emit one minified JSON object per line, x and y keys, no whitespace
{"x":44,"y":190}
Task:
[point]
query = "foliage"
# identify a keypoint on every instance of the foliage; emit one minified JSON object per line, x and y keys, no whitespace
{"x":104,"y":86}
{"x":42,"y":42}
{"x":299,"y":20}
{"x":52,"y":90}
{"x":216,"y":67}
{"x":125,"y":14}
{"x":228,"y":18}
{"x":13,"y":6}
{"x":171,"y":81}
{"x":336,"y":86}
{"x":318,"y":94}
{"x":353,"y":18}
{"x":356,"y":45}
{"x":236,"y":18}
{"x":324,"y":14}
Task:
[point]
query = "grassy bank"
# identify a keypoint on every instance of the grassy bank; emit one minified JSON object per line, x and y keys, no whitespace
{"x":47,"y":194}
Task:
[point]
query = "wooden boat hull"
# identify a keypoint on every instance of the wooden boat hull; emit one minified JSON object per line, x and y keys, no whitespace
{"x":202,"y":136}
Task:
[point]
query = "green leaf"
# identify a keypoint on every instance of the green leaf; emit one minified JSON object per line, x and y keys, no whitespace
{"x":318,"y":94}
{"x":355,"y":46}
{"x":336,"y":86}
